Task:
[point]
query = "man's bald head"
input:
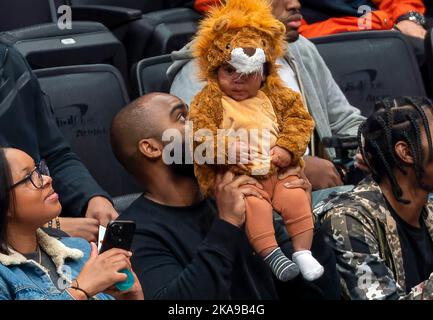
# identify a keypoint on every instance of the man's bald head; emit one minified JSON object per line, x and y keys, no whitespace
{"x":145,"y":118}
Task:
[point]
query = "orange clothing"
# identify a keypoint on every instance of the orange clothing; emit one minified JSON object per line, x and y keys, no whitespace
{"x":292,"y":204}
{"x":382,"y":19}
{"x":255,"y":117}
{"x":203,"y":6}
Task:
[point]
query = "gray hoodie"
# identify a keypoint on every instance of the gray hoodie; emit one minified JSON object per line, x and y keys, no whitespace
{"x":326,"y":102}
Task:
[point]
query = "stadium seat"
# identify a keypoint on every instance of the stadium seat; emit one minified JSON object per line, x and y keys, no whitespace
{"x":370,"y":65}
{"x":429,"y":6}
{"x":150,"y":75}
{"x":158,"y":31}
{"x":173,"y":28}
{"x":85,"y":99}
{"x":45,"y":45}
{"x":24,"y":13}
{"x":142,"y":5}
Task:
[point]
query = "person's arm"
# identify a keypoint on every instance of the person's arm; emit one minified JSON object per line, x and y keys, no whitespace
{"x":396,"y":8}
{"x":204,"y":113}
{"x":379,"y":21}
{"x":207,"y":276}
{"x":296,"y":124}
{"x":186,"y":84}
{"x":383,"y":17}
{"x":4,"y":293}
{"x":362,"y":269}
{"x":73,"y":182}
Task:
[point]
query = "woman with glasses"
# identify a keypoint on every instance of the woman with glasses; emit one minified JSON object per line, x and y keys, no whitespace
{"x":34,"y":265}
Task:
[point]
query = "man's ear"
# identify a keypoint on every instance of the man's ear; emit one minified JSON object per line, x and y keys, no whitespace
{"x":150,"y":148}
{"x":403,"y":152}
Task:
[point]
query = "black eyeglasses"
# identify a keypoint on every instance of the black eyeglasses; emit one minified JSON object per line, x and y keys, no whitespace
{"x":36,"y":176}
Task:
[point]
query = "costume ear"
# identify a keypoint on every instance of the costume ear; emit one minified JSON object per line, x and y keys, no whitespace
{"x":221,"y":25}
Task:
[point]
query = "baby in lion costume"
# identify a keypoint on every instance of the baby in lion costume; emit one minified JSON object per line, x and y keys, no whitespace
{"x":267,"y":127}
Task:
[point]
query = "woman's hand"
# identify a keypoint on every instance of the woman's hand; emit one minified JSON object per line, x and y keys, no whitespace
{"x":135,"y":293}
{"x":102,"y":271}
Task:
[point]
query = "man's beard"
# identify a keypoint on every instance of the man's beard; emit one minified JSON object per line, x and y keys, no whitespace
{"x":183,"y":169}
{"x":292,"y":36}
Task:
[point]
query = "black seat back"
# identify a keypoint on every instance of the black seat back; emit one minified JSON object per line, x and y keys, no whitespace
{"x":85,"y":99}
{"x":46,"y":46}
{"x":143,"y":5}
{"x":150,"y":74}
{"x":172,"y":29}
{"x":16,"y":14}
{"x":370,"y":65}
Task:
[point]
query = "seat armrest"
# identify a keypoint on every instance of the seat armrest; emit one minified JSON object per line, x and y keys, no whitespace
{"x":110,"y":16}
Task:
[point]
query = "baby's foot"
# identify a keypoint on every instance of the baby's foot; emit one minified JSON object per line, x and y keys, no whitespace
{"x":283,"y":268}
{"x":310,"y":268}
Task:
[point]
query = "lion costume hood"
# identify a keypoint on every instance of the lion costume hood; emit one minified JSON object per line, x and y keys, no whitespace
{"x":243,"y":33}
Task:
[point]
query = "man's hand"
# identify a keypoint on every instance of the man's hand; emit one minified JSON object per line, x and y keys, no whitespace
{"x":321,"y":173}
{"x":85,"y":228}
{"x":412,"y":29}
{"x":280,"y":157}
{"x":360,"y":163}
{"x":101,"y":209}
{"x":230,"y":192}
{"x":302,"y":181}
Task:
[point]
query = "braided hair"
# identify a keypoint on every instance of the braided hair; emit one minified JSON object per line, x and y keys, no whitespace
{"x":400,"y":119}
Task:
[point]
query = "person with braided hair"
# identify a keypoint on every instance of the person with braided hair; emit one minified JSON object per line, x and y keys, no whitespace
{"x":382,"y":231}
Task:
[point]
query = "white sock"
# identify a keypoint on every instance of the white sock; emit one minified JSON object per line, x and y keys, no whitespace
{"x":310,"y":268}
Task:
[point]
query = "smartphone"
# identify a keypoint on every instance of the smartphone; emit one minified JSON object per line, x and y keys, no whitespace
{"x":119,"y":234}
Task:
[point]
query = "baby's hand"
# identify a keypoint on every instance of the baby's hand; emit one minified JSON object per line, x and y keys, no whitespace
{"x":281,"y":157}
{"x":242,"y":155}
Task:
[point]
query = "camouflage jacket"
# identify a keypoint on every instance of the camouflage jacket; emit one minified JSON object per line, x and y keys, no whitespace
{"x":364,"y":236}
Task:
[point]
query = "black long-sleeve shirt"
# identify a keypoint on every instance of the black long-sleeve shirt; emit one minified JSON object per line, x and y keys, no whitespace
{"x":27,"y":123}
{"x":188,"y":253}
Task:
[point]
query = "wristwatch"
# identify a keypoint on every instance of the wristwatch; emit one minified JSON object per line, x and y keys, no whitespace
{"x":413,"y":16}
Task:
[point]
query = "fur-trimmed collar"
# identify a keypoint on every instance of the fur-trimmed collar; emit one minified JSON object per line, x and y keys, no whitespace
{"x":55,"y":249}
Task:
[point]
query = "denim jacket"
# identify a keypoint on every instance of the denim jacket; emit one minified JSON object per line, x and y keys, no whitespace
{"x":22,"y":279}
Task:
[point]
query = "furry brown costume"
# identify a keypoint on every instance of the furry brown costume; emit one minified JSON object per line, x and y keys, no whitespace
{"x":245,"y":24}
